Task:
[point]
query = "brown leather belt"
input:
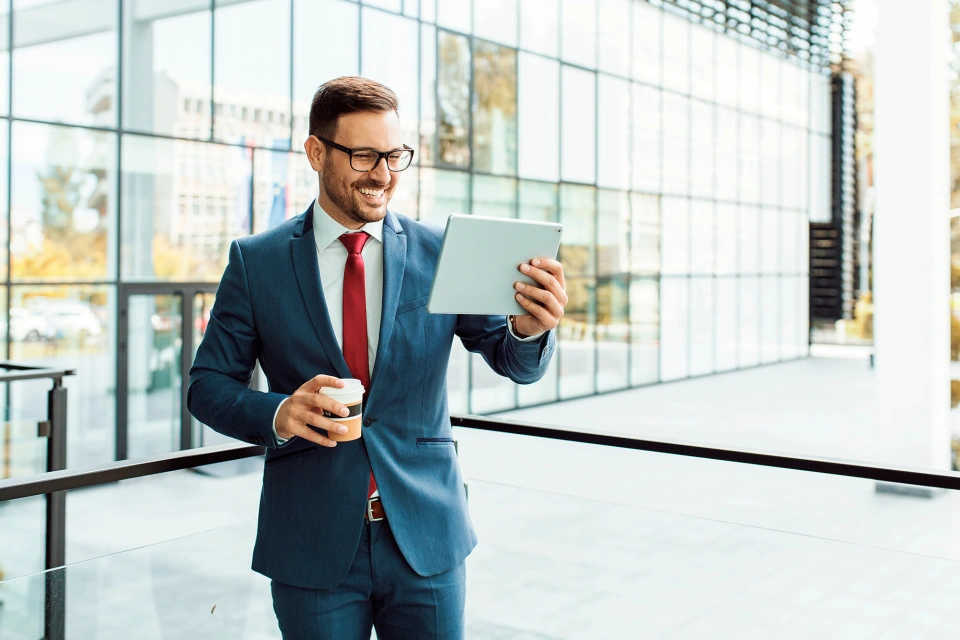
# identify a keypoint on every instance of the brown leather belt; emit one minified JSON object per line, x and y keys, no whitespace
{"x":374,"y":512}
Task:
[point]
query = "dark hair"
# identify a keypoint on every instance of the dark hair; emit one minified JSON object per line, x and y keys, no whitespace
{"x":346,"y":95}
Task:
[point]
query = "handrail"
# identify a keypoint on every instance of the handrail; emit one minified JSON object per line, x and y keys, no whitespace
{"x":76,"y":479}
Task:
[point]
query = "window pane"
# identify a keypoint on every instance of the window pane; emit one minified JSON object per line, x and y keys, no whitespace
{"x":675,"y":241}
{"x":728,"y":71}
{"x":578,"y":36}
{"x":613,"y":233}
{"x":488,"y":391}
{"x":702,"y":237}
{"x":647,"y":134}
{"x":70,"y":327}
{"x":749,"y":159}
{"x":613,"y":333}
{"x":615,"y":37}
{"x":788,"y":318}
{"x":769,"y":241}
{"x":166,"y":68}
{"x":644,"y":332}
{"x":645,"y":234}
{"x":406,"y":199}
{"x":803,"y":317}
{"x":458,"y":378}
{"x":64,"y":202}
{"x":428,"y":10}
{"x":726,"y":238}
{"x":702,"y":149}
{"x":542,"y":391}
{"x":4,"y":158}
{"x":182,"y":205}
{"x":443,"y":193}
{"x":398,"y":69}
{"x":252,"y":72}
{"x":676,"y":53}
{"x":454,"y":14}
{"x":453,"y":99}
{"x":576,"y":342}
{"x":749,"y":340}
{"x":578,"y":215}
{"x":5,"y":61}
{"x":790,"y":170}
{"x":284,"y":185}
{"x":674,"y":328}
{"x":428,"y":97}
{"x":389,"y":5}
{"x":770,"y":94}
{"x":726,"y":327}
{"x":790,"y":242}
{"x":317,"y":60}
{"x":749,"y":245}
{"x":769,"y":319}
{"x":749,"y":78}
{"x":496,"y":20}
{"x":494,"y":197}
{"x":647,"y":23}
{"x":495,"y":118}
{"x":539,"y":26}
{"x":793,"y":112}
{"x":539,"y":118}
{"x":538,"y":201}
{"x":579,"y":128}
{"x":770,"y":149}
{"x":728,"y":154}
{"x":676,"y":144}
{"x":701,"y":326}
{"x":613,"y":162}
{"x":64,"y":62}
{"x":702,"y":61}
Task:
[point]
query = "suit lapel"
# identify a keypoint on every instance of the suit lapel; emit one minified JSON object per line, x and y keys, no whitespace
{"x":394,"y":259}
{"x":305,"y":264}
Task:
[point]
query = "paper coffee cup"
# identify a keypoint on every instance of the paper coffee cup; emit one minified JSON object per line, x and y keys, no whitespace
{"x":350,"y":396}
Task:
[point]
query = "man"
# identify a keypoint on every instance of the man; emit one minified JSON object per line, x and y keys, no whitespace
{"x":375,"y":531}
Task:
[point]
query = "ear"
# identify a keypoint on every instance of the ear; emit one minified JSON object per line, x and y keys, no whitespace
{"x":316,"y":152}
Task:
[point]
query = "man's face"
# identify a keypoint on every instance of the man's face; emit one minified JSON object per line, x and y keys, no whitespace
{"x":361,"y":197}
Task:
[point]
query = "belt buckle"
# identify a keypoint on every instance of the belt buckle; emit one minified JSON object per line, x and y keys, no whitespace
{"x":370,"y":517}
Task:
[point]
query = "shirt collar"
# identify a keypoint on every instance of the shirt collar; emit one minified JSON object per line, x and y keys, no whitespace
{"x":326,"y":230}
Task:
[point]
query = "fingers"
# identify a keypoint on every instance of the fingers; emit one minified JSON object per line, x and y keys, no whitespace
{"x":313,"y":384}
{"x":539,"y":312}
{"x":554,"y":267}
{"x":545,"y":298}
{"x":547,"y":280}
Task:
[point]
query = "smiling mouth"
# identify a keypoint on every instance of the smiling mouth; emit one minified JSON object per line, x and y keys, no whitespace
{"x":372,"y":195}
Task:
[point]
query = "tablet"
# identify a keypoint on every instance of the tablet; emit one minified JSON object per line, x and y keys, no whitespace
{"x":480,"y":259}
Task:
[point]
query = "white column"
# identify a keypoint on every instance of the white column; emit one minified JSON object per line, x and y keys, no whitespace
{"x":911,"y":268}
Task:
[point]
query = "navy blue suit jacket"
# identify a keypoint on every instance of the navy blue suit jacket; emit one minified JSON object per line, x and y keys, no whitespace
{"x":270,"y":307}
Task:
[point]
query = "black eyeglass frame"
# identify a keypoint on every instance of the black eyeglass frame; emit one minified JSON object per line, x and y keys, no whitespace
{"x":381,"y":155}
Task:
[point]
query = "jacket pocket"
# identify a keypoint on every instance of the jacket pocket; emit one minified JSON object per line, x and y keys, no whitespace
{"x":434,"y":441}
{"x":289,"y":456}
{"x":412,"y":304}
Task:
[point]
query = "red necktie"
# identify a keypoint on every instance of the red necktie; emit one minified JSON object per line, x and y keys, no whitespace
{"x":355,"y":317}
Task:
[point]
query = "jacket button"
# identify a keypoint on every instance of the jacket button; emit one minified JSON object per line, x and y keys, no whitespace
{"x":367,"y":421}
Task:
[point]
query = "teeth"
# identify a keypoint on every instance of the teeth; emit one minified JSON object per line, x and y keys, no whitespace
{"x":371,"y":192}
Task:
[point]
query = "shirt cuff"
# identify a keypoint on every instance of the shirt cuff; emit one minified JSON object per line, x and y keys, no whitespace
{"x":527,"y":339}
{"x":280,"y":441}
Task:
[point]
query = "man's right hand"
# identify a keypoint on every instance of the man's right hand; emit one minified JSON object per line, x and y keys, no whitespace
{"x":305,"y":409}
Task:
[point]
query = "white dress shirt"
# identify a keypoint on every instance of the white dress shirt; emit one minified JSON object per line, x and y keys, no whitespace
{"x":332,"y":259}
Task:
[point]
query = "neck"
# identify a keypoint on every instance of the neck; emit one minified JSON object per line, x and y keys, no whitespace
{"x":334,"y":212}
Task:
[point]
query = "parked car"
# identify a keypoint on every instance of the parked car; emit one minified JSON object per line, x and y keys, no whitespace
{"x":25,"y":325}
{"x":69,"y":319}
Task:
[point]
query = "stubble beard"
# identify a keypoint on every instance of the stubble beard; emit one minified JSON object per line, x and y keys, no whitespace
{"x":346,"y":199}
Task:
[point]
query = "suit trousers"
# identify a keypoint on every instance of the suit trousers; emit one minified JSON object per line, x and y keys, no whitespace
{"x":381,"y":591}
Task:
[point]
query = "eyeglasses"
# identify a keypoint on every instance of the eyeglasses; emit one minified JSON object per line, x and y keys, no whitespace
{"x":369,"y":159}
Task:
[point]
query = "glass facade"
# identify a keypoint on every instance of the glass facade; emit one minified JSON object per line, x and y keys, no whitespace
{"x":139,"y":137}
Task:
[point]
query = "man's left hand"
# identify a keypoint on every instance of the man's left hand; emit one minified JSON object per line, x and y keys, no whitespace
{"x":544,"y":301}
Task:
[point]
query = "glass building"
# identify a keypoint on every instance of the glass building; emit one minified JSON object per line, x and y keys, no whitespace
{"x":684,"y":153}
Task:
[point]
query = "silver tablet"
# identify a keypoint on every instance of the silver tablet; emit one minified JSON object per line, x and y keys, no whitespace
{"x":479,"y":261}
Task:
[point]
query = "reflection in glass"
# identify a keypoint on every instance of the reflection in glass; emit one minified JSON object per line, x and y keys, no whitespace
{"x":64,"y":201}
{"x":613,"y":159}
{"x":644,"y":234}
{"x":395,"y":67}
{"x":166,"y":68}
{"x":613,"y":233}
{"x":183,"y":202}
{"x":614,"y":42}
{"x":428,"y":98}
{"x":538,"y":201}
{"x":613,"y":334}
{"x":496,"y":20}
{"x":495,"y":114}
{"x":726,"y":324}
{"x":674,"y":328}
{"x":702,"y":301}
{"x":578,"y":32}
{"x":494,"y":197}
{"x":578,"y":215}
{"x":647,"y":142}
{"x":70,"y":327}
{"x":539,"y":26}
{"x":251,"y":67}
{"x":22,"y":538}
{"x":65,"y":71}
{"x":539,"y":118}
{"x":154,"y":338}
{"x":453,"y":99}
{"x":284,"y":185}
{"x":579,"y":127}
{"x":443,"y":193}
{"x":576,"y":339}
{"x":644,"y":331}
{"x":317,"y":60}
{"x":675,"y":238}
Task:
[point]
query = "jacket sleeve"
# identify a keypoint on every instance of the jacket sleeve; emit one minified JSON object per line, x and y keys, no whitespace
{"x":522,"y":362}
{"x":219,"y":394}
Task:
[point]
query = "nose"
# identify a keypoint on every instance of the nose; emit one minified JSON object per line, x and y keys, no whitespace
{"x":380,"y":173}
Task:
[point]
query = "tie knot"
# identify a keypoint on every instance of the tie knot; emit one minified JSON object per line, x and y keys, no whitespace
{"x":354,"y":241}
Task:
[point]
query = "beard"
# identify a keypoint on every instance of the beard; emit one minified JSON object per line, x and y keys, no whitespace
{"x":348,"y":199}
